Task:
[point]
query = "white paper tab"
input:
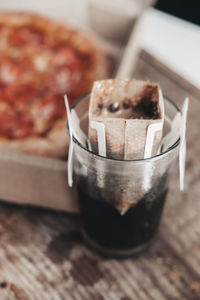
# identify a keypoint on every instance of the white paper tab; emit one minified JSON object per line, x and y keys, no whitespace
{"x":151,"y":131}
{"x":70,"y":153}
{"x":101,"y":138}
{"x":174,"y":133}
{"x":182,"y":149}
{"x":77,"y":131}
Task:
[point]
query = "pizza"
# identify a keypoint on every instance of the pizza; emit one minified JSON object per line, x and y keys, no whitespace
{"x":40,"y":61}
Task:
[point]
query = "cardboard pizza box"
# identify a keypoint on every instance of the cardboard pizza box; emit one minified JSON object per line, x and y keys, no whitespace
{"x":28,"y":179}
{"x":33,"y":180}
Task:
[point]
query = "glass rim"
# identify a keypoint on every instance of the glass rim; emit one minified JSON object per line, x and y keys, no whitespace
{"x":152,"y":158}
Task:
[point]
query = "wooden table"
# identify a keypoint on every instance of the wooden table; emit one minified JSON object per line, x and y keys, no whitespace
{"x":42,"y":256}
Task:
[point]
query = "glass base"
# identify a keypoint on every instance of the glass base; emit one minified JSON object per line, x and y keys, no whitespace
{"x":114,"y":253}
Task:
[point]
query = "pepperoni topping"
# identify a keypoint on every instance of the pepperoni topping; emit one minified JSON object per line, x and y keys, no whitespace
{"x":64,"y":55}
{"x":1,"y":28}
{"x":11,"y":69}
{"x":54,"y":105}
{"x":19,"y":93}
{"x":65,"y":79}
{"x":2,"y":85}
{"x":24,"y":35}
{"x":15,"y":124}
{"x":68,"y":70}
{"x":47,"y":111}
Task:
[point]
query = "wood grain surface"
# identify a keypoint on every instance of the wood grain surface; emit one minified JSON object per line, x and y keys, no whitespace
{"x":42,"y":256}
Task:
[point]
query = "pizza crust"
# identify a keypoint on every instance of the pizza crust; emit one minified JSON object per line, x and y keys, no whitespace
{"x":55,"y":143}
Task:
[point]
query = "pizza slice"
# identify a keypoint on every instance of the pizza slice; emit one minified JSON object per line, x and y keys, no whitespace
{"x":40,"y":61}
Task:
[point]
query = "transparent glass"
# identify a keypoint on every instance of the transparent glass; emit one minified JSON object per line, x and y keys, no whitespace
{"x":121,"y":201}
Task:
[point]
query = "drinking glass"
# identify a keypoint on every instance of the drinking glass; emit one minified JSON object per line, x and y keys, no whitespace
{"x":121,"y":201}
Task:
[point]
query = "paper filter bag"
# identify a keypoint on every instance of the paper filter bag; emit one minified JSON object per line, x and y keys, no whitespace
{"x":126,"y":108}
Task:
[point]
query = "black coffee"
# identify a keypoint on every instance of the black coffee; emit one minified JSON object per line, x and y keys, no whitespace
{"x":104,"y":224}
